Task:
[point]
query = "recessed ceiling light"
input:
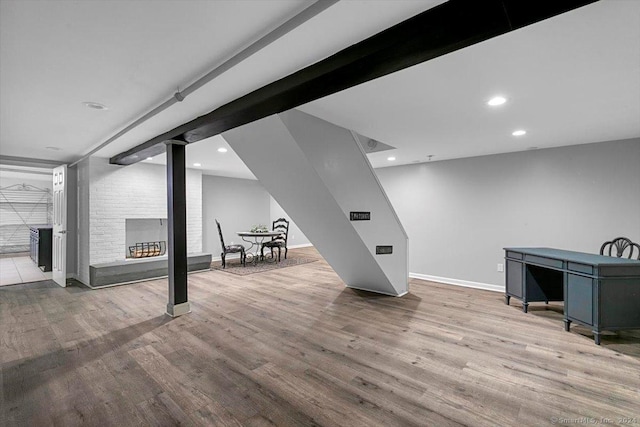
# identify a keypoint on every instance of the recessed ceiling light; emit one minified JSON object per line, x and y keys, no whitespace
{"x":197,"y":165}
{"x":391,"y":159}
{"x":222,"y":150}
{"x":149,"y":158}
{"x":519,"y":132}
{"x":497,"y":100}
{"x":95,"y":105}
{"x":53,"y":148}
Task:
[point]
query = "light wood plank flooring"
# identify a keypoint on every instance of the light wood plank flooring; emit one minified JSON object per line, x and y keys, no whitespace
{"x":294,"y":347}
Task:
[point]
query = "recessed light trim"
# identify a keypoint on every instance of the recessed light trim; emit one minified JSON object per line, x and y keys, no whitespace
{"x":391,"y":159}
{"x":53,"y":148}
{"x":95,"y":105}
{"x":519,"y":132}
{"x":197,"y":165}
{"x":496,"y":100}
{"x":222,"y":150}
{"x":149,"y":158}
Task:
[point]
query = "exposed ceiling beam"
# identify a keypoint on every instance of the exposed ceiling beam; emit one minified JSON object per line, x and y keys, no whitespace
{"x":443,"y":29}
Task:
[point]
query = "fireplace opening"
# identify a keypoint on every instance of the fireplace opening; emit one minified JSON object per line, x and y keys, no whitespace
{"x":148,"y":249}
{"x":145,"y":237}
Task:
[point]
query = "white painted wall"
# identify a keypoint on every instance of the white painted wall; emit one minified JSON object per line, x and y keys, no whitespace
{"x":339,"y":160}
{"x":136,"y":191}
{"x":84,"y":240}
{"x":318,"y":173}
{"x":296,"y":237}
{"x":72,"y":222}
{"x":461,"y":213}
{"x":237,"y":203}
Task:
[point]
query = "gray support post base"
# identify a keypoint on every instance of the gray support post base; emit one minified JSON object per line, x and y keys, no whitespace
{"x":178,"y":309}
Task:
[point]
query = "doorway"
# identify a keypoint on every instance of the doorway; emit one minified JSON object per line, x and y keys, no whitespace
{"x":25,"y":205}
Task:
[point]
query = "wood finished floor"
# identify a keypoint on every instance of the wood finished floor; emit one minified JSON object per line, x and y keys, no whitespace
{"x":294,"y":347}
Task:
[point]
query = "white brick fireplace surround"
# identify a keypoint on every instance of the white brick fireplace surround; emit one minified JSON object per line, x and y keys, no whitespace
{"x":116,"y":193}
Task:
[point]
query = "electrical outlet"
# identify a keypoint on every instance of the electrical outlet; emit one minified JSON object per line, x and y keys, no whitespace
{"x":500,"y":267}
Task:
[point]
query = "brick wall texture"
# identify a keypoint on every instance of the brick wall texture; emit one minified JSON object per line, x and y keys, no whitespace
{"x":137,"y":191}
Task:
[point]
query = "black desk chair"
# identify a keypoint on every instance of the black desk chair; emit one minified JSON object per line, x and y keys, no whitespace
{"x":621,"y":244}
{"x":280,"y":241}
{"x":231,"y":249}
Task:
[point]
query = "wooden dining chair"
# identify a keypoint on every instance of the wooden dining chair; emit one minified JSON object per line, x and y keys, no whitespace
{"x":280,"y":241}
{"x":620,"y":245}
{"x":230,"y":249}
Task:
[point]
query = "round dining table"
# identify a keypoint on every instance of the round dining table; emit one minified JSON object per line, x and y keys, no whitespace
{"x":257,"y":239}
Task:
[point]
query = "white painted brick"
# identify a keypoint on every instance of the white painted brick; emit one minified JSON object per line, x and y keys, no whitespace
{"x":137,"y":191}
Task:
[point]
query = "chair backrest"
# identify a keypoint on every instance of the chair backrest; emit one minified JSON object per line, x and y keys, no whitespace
{"x":621,"y":245}
{"x":220,"y":233}
{"x":282,"y":225}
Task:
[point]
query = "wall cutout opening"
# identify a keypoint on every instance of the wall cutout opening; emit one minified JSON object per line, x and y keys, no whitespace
{"x":145,"y":237}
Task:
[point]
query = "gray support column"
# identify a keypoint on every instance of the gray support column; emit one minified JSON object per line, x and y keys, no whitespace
{"x":177,"y":216}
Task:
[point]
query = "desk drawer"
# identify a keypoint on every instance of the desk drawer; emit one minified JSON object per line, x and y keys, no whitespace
{"x":549,"y":262}
{"x":514,"y":255}
{"x":580,"y":268}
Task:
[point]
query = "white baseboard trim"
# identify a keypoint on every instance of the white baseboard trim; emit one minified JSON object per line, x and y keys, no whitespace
{"x":458,"y":282}
{"x":303,"y":245}
{"x":228,"y":257}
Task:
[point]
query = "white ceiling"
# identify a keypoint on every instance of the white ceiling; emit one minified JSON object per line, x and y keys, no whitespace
{"x":569,"y":80}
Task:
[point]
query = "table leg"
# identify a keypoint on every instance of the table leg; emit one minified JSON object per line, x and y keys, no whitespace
{"x":596,"y":337}
{"x":253,"y":256}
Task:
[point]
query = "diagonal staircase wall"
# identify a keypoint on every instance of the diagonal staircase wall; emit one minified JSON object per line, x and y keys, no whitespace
{"x":318,"y":173}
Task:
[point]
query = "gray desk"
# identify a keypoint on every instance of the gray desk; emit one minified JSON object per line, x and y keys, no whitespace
{"x":598,"y":291}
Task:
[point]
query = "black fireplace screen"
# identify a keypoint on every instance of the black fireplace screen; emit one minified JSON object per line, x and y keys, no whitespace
{"x":148,"y":249}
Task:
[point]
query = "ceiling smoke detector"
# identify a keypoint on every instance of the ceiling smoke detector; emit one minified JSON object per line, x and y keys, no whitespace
{"x":95,"y":105}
